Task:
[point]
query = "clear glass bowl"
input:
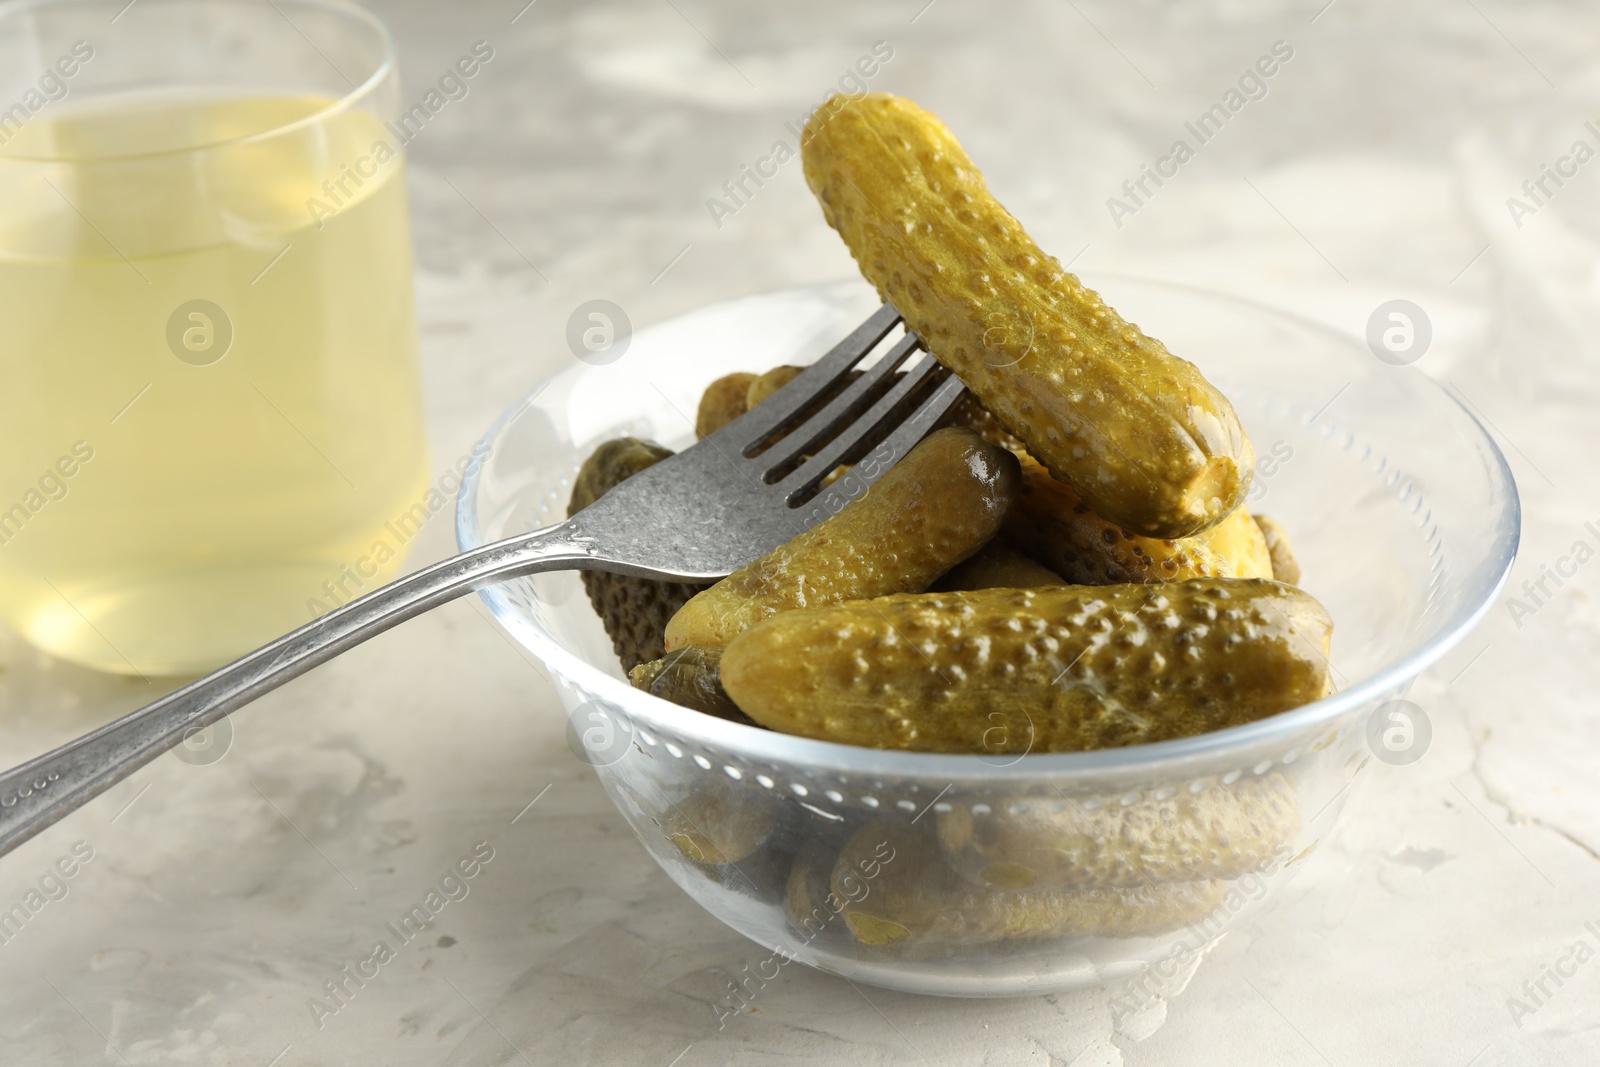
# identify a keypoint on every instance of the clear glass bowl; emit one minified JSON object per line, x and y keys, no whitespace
{"x":1405,"y":519}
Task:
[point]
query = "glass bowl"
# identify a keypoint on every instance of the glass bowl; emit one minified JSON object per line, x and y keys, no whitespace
{"x":969,"y":875}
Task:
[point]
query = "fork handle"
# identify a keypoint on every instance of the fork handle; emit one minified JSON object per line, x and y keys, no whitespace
{"x":35,"y":794}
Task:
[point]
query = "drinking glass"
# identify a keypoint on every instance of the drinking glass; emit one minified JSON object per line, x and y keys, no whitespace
{"x":210,"y":411}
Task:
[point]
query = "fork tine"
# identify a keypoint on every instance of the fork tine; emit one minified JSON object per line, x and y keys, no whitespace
{"x":888,"y":453}
{"x":842,"y":410}
{"x":755,"y":426}
{"x":864,"y":425}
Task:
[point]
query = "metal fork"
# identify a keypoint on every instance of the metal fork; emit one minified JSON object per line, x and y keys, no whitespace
{"x":700,"y":514}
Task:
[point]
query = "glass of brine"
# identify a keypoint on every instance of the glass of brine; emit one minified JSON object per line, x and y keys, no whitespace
{"x":210,"y":409}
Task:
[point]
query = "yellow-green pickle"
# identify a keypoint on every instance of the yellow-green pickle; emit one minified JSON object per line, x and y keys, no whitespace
{"x":1220,"y":832}
{"x":690,"y":677}
{"x":765,"y":384}
{"x":914,"y":899}
{"x":634,"y":610}
{"x":721,"y":403}
{"x":815,"y":911}
{"x":717,"y":821}
{"x":930,"y":511}
{"x":1144,"y":438}
{"x":1052,"y":523}
{"x":1043,"y":670}
{"x":997,"y":566}
{"x":1285,"y":568}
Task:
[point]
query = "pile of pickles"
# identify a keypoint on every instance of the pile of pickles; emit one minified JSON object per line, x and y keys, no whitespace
{"x":1064,"y":564}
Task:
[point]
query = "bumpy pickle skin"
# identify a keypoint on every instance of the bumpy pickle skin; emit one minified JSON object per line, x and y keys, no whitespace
{"x":969,"y":411}
{"x":915,"y":900}
{"x":721,"y":403}
{"x":633,"y":610}
{"x":930,"y":511}
{"x":997,"y":566}
{"x":1143,"y":437}
{"x":1285,"y":568}
{"x":1221,"y":832}
{"x":689,"y":677}
{"x":1059,"y":669}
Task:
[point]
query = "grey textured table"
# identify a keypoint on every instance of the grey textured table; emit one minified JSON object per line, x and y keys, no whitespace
{"x":1440,"y":925}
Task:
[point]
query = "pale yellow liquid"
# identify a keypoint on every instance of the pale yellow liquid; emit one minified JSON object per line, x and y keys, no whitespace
{"x":216,"y":508}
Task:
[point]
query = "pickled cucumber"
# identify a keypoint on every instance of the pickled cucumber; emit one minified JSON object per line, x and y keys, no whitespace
{"x":721,"y":403}
{"x":969,"y":411}
{"x":997,"y":566}
{"x":1221,"y":832}
{"x":764,"y":385}
{"x":1052,"y":523}
{"x":633,"y":610}
{"x":1144,"y":438}
{"x":1042,"y":670}
{"x":913,"y":898}
{"x":719,"y":821}
{"x":690,"y":677}
{"x":1285,"y":568}
{"x":1239,"y":541}
{"x":814,"y":910}
{"x":930,"y":511}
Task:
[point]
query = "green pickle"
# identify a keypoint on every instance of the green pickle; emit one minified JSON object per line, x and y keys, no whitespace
{"x":1052,"y":524}
{"x":1067,"y":668}
{"x":721,"y":403}
{"x":1147,"y":441}
{"x":898,"y":890}
{"x":689,"y":677}
{"x":1221,"y":832}
{"x":997,"y":566}
{"x":930,"y":511}
{"x":718,"y":822}
{"x":765,"y":384}
{"x":1285,"y":568}
{"x":633,"y":610}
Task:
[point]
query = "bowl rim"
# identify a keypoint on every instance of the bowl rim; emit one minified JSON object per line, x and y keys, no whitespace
{"x":756,"y":744}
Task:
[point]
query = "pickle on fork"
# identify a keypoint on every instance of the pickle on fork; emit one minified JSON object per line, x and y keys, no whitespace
{"x":1139,"y":433}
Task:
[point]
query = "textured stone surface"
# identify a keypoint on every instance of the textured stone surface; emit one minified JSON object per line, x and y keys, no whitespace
{"x":221,"y":897}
